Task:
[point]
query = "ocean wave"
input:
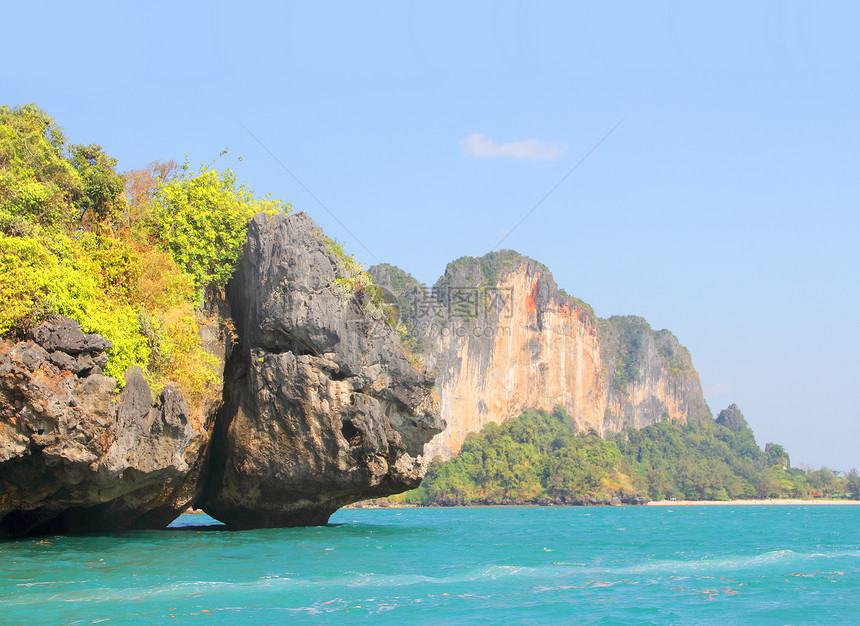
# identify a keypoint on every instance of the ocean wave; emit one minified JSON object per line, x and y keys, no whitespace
{"x":85,"y":591}
{"x":724,"y":563}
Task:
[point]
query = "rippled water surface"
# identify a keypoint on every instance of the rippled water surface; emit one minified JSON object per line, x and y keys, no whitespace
{"x":769,"y":564}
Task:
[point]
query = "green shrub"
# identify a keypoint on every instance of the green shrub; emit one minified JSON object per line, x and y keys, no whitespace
{"x":38,"y":282}
{"x":126,"y":256}
{"x":202,"y":220}
{"x":37,"y":182}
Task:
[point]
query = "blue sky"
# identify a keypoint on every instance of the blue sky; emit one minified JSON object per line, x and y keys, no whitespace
{"x":724,"y":206}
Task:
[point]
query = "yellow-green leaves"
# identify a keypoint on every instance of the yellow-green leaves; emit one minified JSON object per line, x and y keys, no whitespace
{"x":37,"y":182}
{"x":39,"y":279}
{"x":126,"y":256}
{"x":202,"y":220}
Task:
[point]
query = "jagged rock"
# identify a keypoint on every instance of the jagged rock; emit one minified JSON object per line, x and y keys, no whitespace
{"x":323,"y":409}
{"x":74,"y":458}
{"x":69,"y":348}
{"x":63,"y":360}
{"x":321,"y":405}
{"x":64,"y":334}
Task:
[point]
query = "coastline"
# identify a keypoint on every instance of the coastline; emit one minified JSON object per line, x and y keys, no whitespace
{"x":365,"y":504}
{"x":373,"y":504}
{"x":777,"y":502}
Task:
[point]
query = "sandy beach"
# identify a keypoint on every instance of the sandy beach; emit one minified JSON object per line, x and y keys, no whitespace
{"x":746,"y":502}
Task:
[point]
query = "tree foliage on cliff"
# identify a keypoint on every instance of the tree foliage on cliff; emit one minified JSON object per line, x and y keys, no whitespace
{"x":44,"y":181}
{"x":539,"y":457}
{"x":201,"y":219}
{"x":125,"y":255}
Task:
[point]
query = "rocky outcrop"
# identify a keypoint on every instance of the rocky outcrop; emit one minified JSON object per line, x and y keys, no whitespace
{"x":322,"y":407}
{"x":500,"y":337}
{"x":649,"y":376}
{"x":732,"y":418}
{"x":73,"y":456}
{"x":69,"y":348}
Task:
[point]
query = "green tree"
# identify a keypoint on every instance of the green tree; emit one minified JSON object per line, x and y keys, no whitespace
{"x":776,"y":455}
{"x":100,"y":199}
{"x":767,"y":485}
{"x":37,"y":181}
{"x":853,"y":480}
{"x":540,"y":455}
{"x":822,"y":481}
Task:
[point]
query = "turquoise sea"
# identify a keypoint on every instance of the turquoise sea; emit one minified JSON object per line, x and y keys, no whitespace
{"x":685,"y":564}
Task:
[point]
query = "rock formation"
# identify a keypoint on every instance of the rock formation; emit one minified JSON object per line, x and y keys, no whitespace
{"x":322,"y":407}
{"x":732,"y":418}
{"x":75,"y":459}
{"x":500,"y":337}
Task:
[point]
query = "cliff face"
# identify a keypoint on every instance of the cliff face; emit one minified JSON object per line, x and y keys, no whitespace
{"x":500,"y":337}
{"x":321,"y":405}
{"x":649,"y":374}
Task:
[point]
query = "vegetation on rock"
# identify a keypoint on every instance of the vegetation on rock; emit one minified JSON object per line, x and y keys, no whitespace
{"x":201,"y":219}
{"x":540,"y":458}
{"x":582,"y":304}
{"x":353,"y":281}
{"x":127,"y":255}
{"x":623,"y":336}
{"x":409,"y":299}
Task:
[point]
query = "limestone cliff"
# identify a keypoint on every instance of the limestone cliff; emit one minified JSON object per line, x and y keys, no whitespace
{"x":322,"y":407}
{"x":500,"y":337}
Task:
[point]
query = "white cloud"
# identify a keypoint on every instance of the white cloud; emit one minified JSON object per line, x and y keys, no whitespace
{"x":719,"y":389}
{"x":481,"y":147}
